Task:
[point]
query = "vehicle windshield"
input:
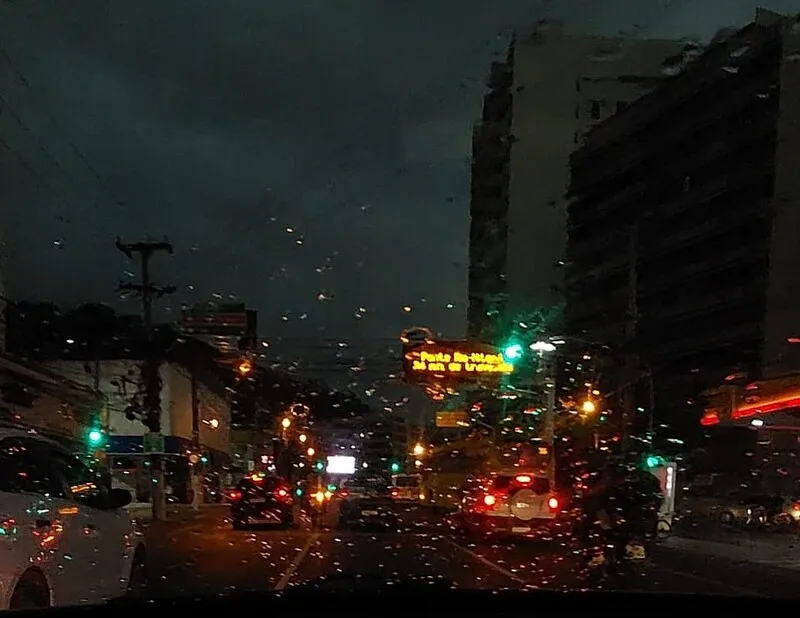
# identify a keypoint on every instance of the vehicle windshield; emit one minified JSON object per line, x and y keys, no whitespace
{"x":493,"y":294}
{"x":260,"y":485}
{"x":406,"y":481}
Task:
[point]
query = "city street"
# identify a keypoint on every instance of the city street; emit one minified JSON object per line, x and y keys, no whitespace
{"x":202,"y":554}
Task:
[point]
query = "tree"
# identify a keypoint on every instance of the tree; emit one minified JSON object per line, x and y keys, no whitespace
{"x":93,"y":327}
{"x":32,"y":329}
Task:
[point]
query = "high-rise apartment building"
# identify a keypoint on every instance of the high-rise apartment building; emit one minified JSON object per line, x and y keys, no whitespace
{"x":540,"y":102}
{"x":686,"y":208}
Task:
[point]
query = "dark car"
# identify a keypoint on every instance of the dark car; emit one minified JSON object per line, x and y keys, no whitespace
{"x":367,"y":505}
{"x":260,"y":499}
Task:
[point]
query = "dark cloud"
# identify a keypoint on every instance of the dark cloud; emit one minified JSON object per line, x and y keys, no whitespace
{"x":222,"y":124}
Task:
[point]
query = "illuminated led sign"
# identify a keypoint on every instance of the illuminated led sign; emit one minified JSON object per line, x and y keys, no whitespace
{"x":448,"y":362}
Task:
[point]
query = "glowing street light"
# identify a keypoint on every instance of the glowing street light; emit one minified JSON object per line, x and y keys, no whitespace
{"x":286,"y":422}
{"x":419,"y":450}
{"x":302,"y":437}
{"x":244,"y":367}
{"x":588,"y":407}
{"x":310,"y":452}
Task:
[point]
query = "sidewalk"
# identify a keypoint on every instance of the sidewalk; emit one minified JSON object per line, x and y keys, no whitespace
{"x":779,"y":550}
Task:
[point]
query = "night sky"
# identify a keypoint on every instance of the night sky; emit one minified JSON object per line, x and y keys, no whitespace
{"x":225,"y":124}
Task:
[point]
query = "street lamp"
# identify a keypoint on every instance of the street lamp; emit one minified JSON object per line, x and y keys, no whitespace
{"x":542,"y":346}
{"x":302,"y":437}
{"x":310,"y":452}
{"x":419,"y":450}
{"x":588,"y":407}
{"x":286,"y":422}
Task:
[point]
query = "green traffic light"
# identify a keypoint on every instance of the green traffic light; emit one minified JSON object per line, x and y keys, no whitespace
{"x":320,"y":465}
{"x":298,"y":492}
{"x":395,"y":467}
{"x":512,"y":352}
{"x":653,"y":461}
{"x":95,"y":436}
{"x":203,"y":459}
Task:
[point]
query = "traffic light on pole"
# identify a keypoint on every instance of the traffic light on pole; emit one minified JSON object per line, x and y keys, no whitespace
{"x":395,"y":467}
{"x":95,"y":437}
{"x":512,"y":351}
{"x":653,"y":461}
{"x":320,"y":466}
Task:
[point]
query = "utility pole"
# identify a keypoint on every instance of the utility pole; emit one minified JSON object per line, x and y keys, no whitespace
{"x":150,"y":370}
{"x":631,"y":377}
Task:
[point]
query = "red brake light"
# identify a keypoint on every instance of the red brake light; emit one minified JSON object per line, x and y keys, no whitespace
{"x":395,"y":493}
{"x":342,"y":494}
{"x":523,"y":479}
{"x":553,"y":503}
{"x":489,"y":500}
{"x":281,"y":493}
{"x":235,"y":494}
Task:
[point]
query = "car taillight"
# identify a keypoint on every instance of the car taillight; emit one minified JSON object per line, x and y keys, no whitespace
{"x":489,"y":500}
{"x":235,"y":495}
{"x":523,"y":479}
{"x":395,"y":493}
{"x":281,"y":493}
{"x":342,"y":494}
{"x":552,"y":503}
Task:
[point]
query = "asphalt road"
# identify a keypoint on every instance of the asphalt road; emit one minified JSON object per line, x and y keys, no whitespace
{"x":200,"y":554}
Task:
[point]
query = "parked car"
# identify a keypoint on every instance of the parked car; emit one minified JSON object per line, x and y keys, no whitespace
{"x":66,"y":537}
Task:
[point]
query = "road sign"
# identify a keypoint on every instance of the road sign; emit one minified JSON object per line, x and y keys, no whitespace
{"x":452,"y":419}
{"x":153,"y":443}
{"x":454,"y":361}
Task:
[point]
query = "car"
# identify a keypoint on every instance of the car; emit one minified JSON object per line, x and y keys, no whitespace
{"x":407,"y":488}
{"x":260,"y":499}
{"x":367,"y":505}
{"x":513,"y":503}
{"x":65,"y":535}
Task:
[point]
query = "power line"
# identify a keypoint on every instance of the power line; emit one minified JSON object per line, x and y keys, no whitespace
{"x":77,"y":151}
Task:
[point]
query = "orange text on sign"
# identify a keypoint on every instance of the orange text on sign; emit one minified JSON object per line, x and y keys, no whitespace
{"x":460,"y":362}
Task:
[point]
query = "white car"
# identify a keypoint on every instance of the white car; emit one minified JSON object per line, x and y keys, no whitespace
{"x":65,"y":538}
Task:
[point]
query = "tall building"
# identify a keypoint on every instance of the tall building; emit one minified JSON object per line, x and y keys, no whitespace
{"x":384,"y":441}
{"x":685,"y":208}
{"x":540,"y":102}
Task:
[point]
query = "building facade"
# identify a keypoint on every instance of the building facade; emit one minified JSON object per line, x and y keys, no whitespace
{"x":195,"y":416}
{"x":541,"y":101}
{"x":684,"y":216}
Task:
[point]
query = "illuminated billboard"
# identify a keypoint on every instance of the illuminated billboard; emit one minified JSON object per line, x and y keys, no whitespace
{"x":447,"y":360}
{"x":341,"y":464}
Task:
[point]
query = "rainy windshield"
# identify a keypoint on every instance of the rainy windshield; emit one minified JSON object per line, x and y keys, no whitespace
{"x":501,"y":284}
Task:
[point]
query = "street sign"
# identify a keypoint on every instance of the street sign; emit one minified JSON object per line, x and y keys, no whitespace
{"x":452,"y":419}
{"x":153,"y":443}
{"x":459,"y":361}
